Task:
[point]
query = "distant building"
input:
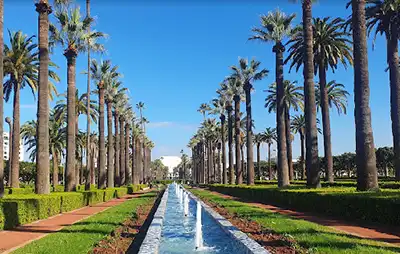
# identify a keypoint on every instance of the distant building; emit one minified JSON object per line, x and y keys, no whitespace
{"x":6,"y":147}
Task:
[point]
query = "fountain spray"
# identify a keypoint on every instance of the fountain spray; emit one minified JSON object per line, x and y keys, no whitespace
{"x":199,"y":234}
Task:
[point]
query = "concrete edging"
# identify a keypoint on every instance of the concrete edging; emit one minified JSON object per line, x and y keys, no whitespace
{"x":248,"y":244}
{"x":152,"y":240}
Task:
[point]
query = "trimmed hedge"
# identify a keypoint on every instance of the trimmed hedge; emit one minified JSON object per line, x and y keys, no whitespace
{"x":347,"y":203}
{"x":132,"y":188}
{"x":338,"y":183}
{"x":21,"y":209}
{"x":57,"y":188}
{"x":21,"y":191}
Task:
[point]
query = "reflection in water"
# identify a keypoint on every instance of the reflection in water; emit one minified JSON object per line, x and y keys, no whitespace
{"x":179,"y":231}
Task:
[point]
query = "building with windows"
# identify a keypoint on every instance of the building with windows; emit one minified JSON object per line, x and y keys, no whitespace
{"x":6,"y":147}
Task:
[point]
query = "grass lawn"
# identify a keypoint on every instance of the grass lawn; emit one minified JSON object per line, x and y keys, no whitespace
{"x":83,"y":236}
{"x":310,"y":236}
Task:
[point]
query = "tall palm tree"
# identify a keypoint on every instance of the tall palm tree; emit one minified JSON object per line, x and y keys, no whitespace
{"x":219,"y":107}
{"x":247,"y":73}
{"x":42,"y":183}
{"x":57,"y":142}
{"x":337,"y":96}
{"x":276,"y":27}
{"x":293,"y":99}
{"x":367,"y":177}
{"x":269,"y":136}
{"x":113,"y":92}
{"x":140,"y":106}
{"x":383,"y":16}
{"x":258,"y":139}
{"x":118,"y":107}
{"x":204,"y":107}
{"x":101,"y":73}
{"x":331,"y":47}
{"x":299,"y":126}
{"x":28,"y":135}
{"x":1,"y":101}
{"x":129,"y":119}
{"x":21,"y":66}
{"x":73,"y":35}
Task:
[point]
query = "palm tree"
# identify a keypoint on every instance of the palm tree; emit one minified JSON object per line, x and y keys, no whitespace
{"x":140,"y":106}
{"x":258,"y":139}
{"x":72,"y":35}
{"x":94,"y":151}
{"x":57,"y":142}
{"x":246,"y":73}
{"x":299,"y":126}
{"x":113,"y":92}
{"x":1,"y":101}
{"x":337,"y":96}
{"x":276,"y":27}
{"x":21,"y":65}
{"x":42,"y":183}
{"x":293,"y":99}
{"x":101,"y":73}
{"x":383,"y":16}
{"x":227,"y":90}
{"x":219,"y":107}
{"x":331,"y":47}
{"x":204,"y":107}
{"x":269,"y":136}
{"x":312,"y":160}
{"x":28,"y":135}
{"x":367,"y":177}
{"x":129,"y":118}
{"x":118,"y":107}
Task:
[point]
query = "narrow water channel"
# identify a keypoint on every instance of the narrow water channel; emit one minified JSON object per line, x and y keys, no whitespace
{"x":179,"y":231}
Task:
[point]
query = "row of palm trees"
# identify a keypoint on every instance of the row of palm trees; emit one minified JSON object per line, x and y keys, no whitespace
{"x":56,"y":132}
{"x":317,"y":45}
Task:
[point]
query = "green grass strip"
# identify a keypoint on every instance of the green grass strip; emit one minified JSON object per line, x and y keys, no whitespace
{"x":310,"y":236}
{"x":83,"y":236}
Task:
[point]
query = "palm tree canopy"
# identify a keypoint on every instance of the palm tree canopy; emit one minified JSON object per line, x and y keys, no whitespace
{"x":293,"y":96}
{"x":204,"y":107}
{"x":103,"y":71}
{"x":331,"y":43}
{"x":21,"y":64}
{"x":298,"y":124}
{"x":258,"y":138}
{"x":269,"y":135}
{"x":247,"y":73}
{"x":28,"y":135}
{"x":275,"y":26}
{"x":72,"y":33}
{"x":337,"y":96}
{"x":381,"y":16}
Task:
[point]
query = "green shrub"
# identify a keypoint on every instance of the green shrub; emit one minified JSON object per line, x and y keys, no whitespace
{"x":109,"y":194}
{"x":342,"y":202}
{"x":93,"y":197}
{"x":132,"y":188}
{"x":121,"y":191}
{"x":57,"y":188}
{"x":22,"y":209}
{"x":21,"y":191}
{"x":71,"y":201}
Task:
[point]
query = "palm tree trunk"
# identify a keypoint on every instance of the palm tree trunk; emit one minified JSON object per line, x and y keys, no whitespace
{"x":88,"y":164}
{"x":249,"y":133}
{"x":326,"y":122}
{"x":394,"y":72}
{"x":269,"y":162}
{"x":102,"y":149}
{"x":92,"y":167}
{"x":1,"y":101}
{"x":137,"y":161}
{"x":238,"y":167}
{"x":82,"y":169}
{"x":122,"y":151}
{"x":283,"y":169}
{"x":303,"y":165}
{"x":310,"y":111}
{"x":258,"y":161}
{"x":209,"y":162}
{"x":223,"y":143}
{"x":219,"y":163}
{"x":243,"y":166}
{"x":71,"y":118}
{"x":289,"y":143}
{"x":144,"y":160}
{"x":110,"y":147}
{"x":367,"y":177}
{"x":117,"y":150}
{"x":9,"y":153}
{"x":128,"y":173}
{"x":134,"y":169}
{"x":16,"y":137}
{"x":42,"y":183}
{"x":55,"y":167}
{"x":230,"y":145}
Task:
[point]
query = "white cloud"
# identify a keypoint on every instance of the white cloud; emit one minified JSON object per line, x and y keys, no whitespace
{"x":171,"y":125}
{"x":159,"y":124}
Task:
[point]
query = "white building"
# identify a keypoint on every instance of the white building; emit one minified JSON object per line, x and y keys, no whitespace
{"x":6,"y":147}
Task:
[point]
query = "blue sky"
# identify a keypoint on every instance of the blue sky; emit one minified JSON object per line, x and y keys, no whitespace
{"x":173,"y":55}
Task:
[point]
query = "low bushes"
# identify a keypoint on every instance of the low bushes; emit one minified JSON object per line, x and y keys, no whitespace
{"x":347,"y":203}
{"x":20,"y":191}
{"x":132,"y":188}
{"x":384,"y":184}
{"x":57,"y":188}
{"x":21,"y":209}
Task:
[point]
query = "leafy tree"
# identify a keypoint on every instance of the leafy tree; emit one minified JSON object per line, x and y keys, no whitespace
{"x":384,"y":159}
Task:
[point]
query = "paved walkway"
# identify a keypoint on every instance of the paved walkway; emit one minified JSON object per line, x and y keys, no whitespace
{"x":18,"y":237}
{"x":388,"y":234}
